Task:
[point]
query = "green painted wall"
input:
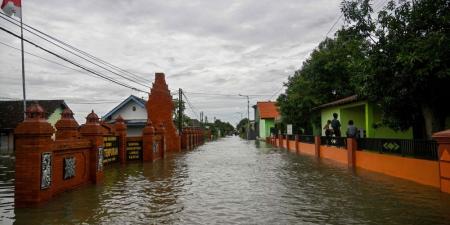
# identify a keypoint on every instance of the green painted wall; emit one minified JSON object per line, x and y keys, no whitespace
{"x":264,"y":127}
{"x":364,"y":115}
{"x":355,"y":113}
{"x":327,"y":114}
{"x":385,"y":132}
{"x":55,"y":116}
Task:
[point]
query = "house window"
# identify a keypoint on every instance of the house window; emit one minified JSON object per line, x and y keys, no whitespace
{"x":134,"y":108}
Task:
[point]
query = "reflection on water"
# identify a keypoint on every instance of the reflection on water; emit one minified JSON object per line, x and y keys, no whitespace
{"x":233,"y":181}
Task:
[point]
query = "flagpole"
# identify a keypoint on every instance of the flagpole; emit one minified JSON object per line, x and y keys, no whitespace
{"x":23,"y":64}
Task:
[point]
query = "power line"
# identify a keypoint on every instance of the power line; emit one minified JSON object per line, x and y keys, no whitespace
{"x":12,"y":21}
{"x":334,"y":24}
{"x":191,"y":107}
{"x":378,"y":6}
{"x":48,"y":60}
{"x":80,"y":51}
{"x":225,"y":95}
{"x":276,"y":92}
{"x":73,"y":63}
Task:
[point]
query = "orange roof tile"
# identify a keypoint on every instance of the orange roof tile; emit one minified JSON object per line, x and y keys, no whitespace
{"x":267,"y":110}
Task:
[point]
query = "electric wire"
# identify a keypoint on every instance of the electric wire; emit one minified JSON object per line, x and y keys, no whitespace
{"x":73,"y":63}
{"x":191,"y":107}
{"x":71,"y":52}
{"x":45,"y":59}
{"x":78,"y":50}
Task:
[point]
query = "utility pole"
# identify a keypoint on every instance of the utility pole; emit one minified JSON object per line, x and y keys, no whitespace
{"x":23,"y":65}
{"x":180,"y":111}
{"x":248,"y":115}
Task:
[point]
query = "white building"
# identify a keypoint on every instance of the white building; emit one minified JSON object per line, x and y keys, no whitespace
{"x":133,"y":111}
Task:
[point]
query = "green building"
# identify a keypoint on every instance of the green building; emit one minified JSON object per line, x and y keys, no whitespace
{"x":365,"y":115}
{"x":265,"y":115}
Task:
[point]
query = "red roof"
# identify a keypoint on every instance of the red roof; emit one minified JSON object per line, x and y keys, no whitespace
{"x":267,"y":110}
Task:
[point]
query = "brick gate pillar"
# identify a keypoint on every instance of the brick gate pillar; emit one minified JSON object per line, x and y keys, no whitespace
{"x":67,"y":126}
{"x":443,"y":139}
{"x":163,"y":147}
{"x":34,"y":158}
{"x":296,"y":143}
{"x":183,"y":139}
{"x":92,"y":131}
{"x":187,"y":140}
{"x":191,"y":138}
{"x":121,"y":131}
{"x":148,"y":133}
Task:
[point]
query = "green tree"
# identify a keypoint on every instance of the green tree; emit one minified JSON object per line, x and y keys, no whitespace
{"x":225,"y":128}
{"x":186,"y":119}
{"x":408,"y":70}
{"x":325,"y":76}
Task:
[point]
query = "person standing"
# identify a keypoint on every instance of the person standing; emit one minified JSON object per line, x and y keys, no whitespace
{"x":336,"y":125}
{"x":352,"y":131}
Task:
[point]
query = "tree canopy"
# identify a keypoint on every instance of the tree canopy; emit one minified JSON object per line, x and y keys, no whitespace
{"x":397,"y":58}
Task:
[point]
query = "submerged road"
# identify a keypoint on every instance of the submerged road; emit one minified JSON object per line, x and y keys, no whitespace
{"x":233,"y":181}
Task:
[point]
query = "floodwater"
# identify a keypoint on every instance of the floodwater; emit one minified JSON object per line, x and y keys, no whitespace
{"x":233,"y":181}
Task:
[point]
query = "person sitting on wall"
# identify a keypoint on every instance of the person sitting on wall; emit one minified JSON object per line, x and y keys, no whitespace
{"x":352,"y":131}
{"x":336,"y":125}
{"x":328,"y":131}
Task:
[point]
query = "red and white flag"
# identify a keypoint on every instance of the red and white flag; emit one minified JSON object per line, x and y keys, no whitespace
{"x":12,"y":7}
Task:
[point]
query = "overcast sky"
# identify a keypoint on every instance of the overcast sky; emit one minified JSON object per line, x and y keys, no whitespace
{"x":245,"y":47}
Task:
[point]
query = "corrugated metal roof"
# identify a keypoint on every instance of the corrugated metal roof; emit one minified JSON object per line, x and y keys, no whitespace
{"x":343,"y":101}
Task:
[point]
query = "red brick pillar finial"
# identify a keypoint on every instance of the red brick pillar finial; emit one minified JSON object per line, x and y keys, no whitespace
{"x":92,"y":118}
{"x":34,"y":158}
{"x":67,"y":126}
{"x":443,"y":139}
{"x":121,"y":130}
{"x":92,"y":131}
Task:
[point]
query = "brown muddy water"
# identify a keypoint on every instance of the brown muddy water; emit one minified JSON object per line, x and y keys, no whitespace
{"x":233,"y":181}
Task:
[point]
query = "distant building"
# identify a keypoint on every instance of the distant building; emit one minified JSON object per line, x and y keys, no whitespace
{"x":11,"y":114}
{"x":365,"y":115}
{"x":133,"y":111}
{"x":265,"y":115}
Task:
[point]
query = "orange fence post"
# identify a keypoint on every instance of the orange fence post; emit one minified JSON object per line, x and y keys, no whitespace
{"x":443,"y":139}
{"x":352,"y":146}
{"x":317,"y":146}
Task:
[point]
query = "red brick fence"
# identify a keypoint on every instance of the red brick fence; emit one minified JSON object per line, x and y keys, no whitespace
{"x":49,"y":162}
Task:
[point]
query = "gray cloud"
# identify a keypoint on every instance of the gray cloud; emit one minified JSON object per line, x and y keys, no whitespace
{"x":228,"y":47}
